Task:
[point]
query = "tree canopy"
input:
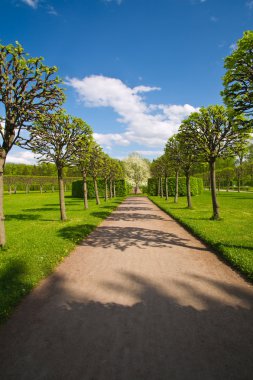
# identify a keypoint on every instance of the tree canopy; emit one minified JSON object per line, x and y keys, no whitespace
{"x":238,"y":80}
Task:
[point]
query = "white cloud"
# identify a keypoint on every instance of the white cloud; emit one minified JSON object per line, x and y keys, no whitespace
{"x":143,"y":124}
{"x":22,"y":157}
{"x":32,"y":3}
{"x":249,"y":4}
{"x":149,"y":152}
{"x":51,"y":10}
{"x":113,"y":1}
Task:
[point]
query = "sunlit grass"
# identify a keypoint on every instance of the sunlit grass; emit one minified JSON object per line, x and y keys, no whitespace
{"x":37,"y":240}
{"x":231,"y":237}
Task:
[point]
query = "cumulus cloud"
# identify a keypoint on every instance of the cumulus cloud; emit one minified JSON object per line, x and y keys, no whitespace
{"x":31,"y":3}
{"x":142,"y":123}
{"x":113,"y":1}
{"x":22,"y":157}
{"x":249,"y":4}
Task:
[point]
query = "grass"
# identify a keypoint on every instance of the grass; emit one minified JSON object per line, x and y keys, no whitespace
{"x":37,"y":240}
{"x":231,"y":237}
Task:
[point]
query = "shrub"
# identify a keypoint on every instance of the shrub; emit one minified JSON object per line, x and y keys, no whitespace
{"x":196,"y":186}
{"x":121,"y":186}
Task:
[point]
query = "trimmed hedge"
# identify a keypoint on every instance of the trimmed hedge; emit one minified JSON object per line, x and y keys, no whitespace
{"x":122,"y":188}
{"x":196,"y":186}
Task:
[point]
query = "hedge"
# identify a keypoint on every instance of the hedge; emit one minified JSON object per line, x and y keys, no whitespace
{"x":196,"y":186}
{"x":34,"y":183}
{"x":121,"y":186}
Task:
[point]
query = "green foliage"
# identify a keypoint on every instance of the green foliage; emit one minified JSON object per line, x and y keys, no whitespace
{"x":37,"y":241}
{"x":20,"y":182}
{"x":215,"y":132}
{"x":200,"y":185}
{"x":55,"y":137}
{"x":122,"y":188}
{"x":238,"y":80}
{"x":196,"y":186}
{"x":231,"y":237}
{"x":28,"y":89}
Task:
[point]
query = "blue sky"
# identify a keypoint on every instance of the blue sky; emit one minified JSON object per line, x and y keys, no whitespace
{"x":133,"y":68}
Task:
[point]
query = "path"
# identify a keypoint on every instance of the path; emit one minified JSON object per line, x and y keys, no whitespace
{"x":139,"y":299}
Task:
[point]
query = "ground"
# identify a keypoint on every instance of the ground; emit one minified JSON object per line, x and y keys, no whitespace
{"x":140,"y":298}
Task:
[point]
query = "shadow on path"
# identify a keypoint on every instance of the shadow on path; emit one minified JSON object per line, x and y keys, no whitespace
{"x":123,"y":238}
{"x":56,"y":336}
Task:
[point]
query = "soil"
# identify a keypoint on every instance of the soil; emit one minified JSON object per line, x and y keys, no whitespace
{"x":140,"y":298}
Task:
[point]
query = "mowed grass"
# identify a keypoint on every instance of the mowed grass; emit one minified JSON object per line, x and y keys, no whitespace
{"x":37,"y":240}
{"x":231,"y":237}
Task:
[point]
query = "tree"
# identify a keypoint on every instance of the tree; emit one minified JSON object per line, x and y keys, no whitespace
{"x":188,"y":157}
{"x":96,"y":162}
{"x":105,"y":172}
{"x":173,"y":152}
{"x":82,"y":157}
{"x":28,"y":88}
{"x":238,"y":80}
{"x":216,"y":132}
{"x":116,"y":172}
{"x":54,"y":138}
{"x":137,"y":170}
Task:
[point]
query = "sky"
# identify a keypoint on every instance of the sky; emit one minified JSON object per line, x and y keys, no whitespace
{"x":132,"y":69}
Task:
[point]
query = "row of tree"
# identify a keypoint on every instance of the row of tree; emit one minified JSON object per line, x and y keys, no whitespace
{"x":31,"y":97}
{"x":216,"y":131}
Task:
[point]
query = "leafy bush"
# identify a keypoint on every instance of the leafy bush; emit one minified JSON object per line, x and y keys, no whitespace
{"x":196,"y":186}
{"x":121,"y":186}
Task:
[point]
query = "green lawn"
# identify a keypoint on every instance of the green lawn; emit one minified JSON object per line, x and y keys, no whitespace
{"x":37,"y":240}
{"x":231,"y":237}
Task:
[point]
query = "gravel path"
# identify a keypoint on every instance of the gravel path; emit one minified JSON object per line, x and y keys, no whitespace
{"x":140,"y":299}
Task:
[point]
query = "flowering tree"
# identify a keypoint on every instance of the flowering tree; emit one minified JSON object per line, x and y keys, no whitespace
{"x":137,"y":170}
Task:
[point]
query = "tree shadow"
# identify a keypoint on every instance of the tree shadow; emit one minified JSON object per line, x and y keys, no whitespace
{"x":152,"y":334}
{"x":12,"y":285}
{"x":117,"y":216}
{"x":123,"y":238}
{"x":41,"y":209}
{"x":22,"y":217}
{"x":220,"y":245}
{"x":100,"y":214}
{"x":76,"y":233}
{"x":127,"y":208}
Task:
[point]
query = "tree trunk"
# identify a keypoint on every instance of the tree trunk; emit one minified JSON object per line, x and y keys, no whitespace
{"x":166,"y":189}
{"x":111,"y":191}
{"x":216,"y":214}
{"x":239,"y":184}
{"x":9,"y":189}
{"x":176,"y":188}
{"x":2,"y":228}
{"x":188,"y":188}
{"x":41,"y":189}
{"x":96,"y":191}
{"x":61,"y":194}
{"x":161,"y":187}
{"x":219,"y":184}
{"x":27,"y":189}
{"x":106,"y":190}
{"x":85,"y":192}
{"x":15,"y":189}
{"x":114,"y":189}
{"x":52,"y":189}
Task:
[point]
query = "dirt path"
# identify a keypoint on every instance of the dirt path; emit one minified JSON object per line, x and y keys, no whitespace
{"x":139,"y":299}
